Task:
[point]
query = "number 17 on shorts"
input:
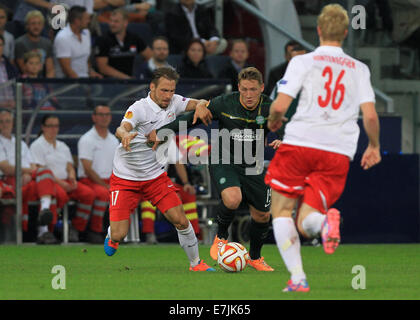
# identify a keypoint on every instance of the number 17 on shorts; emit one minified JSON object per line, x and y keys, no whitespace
{"x":114,"y":197}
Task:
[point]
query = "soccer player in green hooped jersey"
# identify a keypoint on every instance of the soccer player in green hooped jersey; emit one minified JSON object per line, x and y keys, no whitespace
{"x":244,"y":114}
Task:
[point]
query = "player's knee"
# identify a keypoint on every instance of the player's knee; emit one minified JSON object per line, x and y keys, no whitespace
{"x":233,"y":202}
{"x":182,"y":223}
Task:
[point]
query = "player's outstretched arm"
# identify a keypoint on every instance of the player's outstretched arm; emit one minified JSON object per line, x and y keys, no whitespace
{"x":123,"y":133}
{"x":372,"y":154}
{"x":201,"y":111}
{"x":277,"y":111}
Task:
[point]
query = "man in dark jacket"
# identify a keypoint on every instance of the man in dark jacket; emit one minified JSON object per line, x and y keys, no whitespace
{"x":238,"y":60}
{"x":7,"y":72}
{"x":186,"y":21}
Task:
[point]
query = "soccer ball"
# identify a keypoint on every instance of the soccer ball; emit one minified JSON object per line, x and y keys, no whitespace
{"x":232,"y":257}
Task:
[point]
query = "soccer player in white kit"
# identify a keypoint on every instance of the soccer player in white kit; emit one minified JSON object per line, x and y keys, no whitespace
{"x":137,"y":174}
{"x":311,"y":165}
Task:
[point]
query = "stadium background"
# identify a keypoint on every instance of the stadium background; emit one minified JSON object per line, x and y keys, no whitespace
{"x":379,"y":206}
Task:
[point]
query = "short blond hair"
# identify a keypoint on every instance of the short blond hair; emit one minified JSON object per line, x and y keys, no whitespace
{"x":250,"y":73}
{"x":34,"y":14}
{"x":333,"y":22}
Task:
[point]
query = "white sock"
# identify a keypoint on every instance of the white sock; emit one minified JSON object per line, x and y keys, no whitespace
{"x":189,"y":243}
{"x":288,"y":243}
{"x":45,"y":202}
{"x":42,"y":230}
{"x":313,"y":223}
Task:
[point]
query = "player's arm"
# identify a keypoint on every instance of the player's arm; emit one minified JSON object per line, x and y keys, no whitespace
{"x":278,"y":110}
{"x":201,"y":111}
{"x":125,"y":135}
{"x":372,"y":154}
{"x":181,"y":171}
{"x":107,"y":70}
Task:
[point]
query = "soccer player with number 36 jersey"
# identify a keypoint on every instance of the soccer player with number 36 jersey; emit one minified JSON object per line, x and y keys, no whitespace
{"x":311,"y":165}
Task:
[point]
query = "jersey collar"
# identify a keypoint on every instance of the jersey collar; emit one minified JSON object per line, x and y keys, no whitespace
{"x":153,"y":104}
{"x":330,"y":49}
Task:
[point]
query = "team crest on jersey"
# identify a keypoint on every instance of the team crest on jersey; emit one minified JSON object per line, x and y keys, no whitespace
{"x":260,"y":119}
{"x":128,"y":115}
{"x":171,"y":115}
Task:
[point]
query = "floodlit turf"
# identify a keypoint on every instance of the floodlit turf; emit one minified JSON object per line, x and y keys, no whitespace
{"x":160,"y":272}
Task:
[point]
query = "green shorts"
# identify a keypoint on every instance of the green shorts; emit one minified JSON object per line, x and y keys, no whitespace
{"x":254,"y":190}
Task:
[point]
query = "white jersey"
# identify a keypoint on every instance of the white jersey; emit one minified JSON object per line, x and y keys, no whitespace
{"x":56,"y":159}
{"x":333,"y":85}
{"x":7,"y":152}
{"x":145,"y":115}
{"x":91,"y":146}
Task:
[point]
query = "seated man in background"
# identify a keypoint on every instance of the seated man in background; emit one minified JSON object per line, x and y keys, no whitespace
{"x":7,"y":73}
{"x":188,"y":20}
{"x":239,"y":54}
{"x":277,"y":72}
{"x":32,"y":41}
{"x":55,"y":154}
{"x":8,"y":38}
{"x":160,"y":53}
{"x":116,"y":51}
{"x":96,"y":153}
{"x":72,"y":47}
{"x":37,"y":184}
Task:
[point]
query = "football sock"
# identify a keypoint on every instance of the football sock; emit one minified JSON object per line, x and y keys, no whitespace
{"x":45,"y":202}
{"x":313,"y":223}
{"x":109,"y":235}
{"x":42,"y":230}
{"x":258,"y":233}
{"x":288,"y":243}
{"x":189,"y":243}
{"x":224,"y":219}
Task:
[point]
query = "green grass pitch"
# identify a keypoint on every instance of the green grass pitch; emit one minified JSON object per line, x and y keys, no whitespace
{"x":160,"y":272}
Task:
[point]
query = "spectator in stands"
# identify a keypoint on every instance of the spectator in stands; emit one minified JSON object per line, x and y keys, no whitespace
{"x":278,"y":72}
{"x":160,"y":52}
{"x":55,"y":154}
{"x":88,"y":4}
{"x":7,"y":72}
{"x":116,"y":51}
{"x":103,"y":8}
{"x":24,"y":6}
{"x":9,"y":39}
{"x":72,"y":47}
{"x":188,"y":20}
{"x":193,"y":64}
{"x":96,"y":153}
{"x":37,"y":184}
{"x":239,"y":54}
{"x":146,"y":11}
{"x":33,"y":93}
{"x":33,"y":41}
{"x":406,"y":31}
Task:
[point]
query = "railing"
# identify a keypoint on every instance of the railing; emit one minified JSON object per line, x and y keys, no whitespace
{"x":82,"y":96}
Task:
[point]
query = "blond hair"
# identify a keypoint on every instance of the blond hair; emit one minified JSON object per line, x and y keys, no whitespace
{"x":31,"y":54}
{"x":333,"y":22}
{"x":250,"y":73}
{"x":34,"y":14}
